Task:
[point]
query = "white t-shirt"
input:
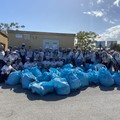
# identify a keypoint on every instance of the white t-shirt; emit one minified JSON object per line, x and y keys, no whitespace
{"x":53,"y":63}
{"x":6,"y":68}
{"x":29,"y":53}
{"x":12,"y":58}
{"x":27,"y":65}
{"x":36,"y":55}
{"x":23,"y":51}
{"x":34,"y":64}
{"x":59,"y":63}
{"x":69,"y":55}
{"x":41,"y":54}
{"x":46,"y":63}
{"x":60,"y":54}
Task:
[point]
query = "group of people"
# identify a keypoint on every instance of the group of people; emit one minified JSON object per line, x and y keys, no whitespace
{"x":21,"y":58}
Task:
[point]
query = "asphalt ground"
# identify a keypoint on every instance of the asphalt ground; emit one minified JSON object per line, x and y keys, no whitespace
{"x":92,"y":103}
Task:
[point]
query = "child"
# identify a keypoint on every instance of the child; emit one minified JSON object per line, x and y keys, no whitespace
{"x":5,"y":71}
{"x":34,"y":63}
{"x":59,"y":62}
{"x":27,"y":63}
{"x":53,"y":63}
{"x":46,"y":63}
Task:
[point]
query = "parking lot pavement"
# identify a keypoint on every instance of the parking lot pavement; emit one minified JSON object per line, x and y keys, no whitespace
{"x":97,"y":103}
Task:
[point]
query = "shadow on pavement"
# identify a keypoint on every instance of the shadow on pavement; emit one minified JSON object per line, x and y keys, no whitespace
{"x":32,"y":97}
{"x":103,"y":88}
{"x":51,"y":96}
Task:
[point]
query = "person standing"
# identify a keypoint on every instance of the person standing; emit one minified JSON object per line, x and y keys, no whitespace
{"x":2,"y":54}
{"x":78,"y":57}
{"x":23,"y":53}
{"x":30,"y":54}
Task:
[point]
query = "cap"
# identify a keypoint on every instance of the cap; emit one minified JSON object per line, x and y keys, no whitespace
{"x":14,"y":52}
{"x":78,"y":49}
{"x":23,"y":43}
{"x":8,"y":50}
{"x":112,"y":51}
{"x":27,"y":58}
{"x":35,"y":59}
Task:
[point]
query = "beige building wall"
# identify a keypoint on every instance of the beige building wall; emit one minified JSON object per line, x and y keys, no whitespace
{"x":35,"y":39}
{"x":4,"y":40}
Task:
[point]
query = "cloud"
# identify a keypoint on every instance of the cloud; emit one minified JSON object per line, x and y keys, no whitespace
{"x":100,"y":1}
{"x":111,"y":34}
{"x":105,"y":19}
{"x":117,"y":2}
{"x":96,"y":13}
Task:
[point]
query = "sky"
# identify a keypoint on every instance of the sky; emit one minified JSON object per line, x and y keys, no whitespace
{"x":63,"y":16}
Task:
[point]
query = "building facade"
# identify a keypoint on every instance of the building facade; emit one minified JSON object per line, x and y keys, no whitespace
{"x":4,"y":40}
{"x":104,"y":44}
{"x":41,"y":39}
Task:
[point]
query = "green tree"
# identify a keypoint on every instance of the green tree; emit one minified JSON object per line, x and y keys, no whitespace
{"x":86,"y":39}
{"x":12,"y":26}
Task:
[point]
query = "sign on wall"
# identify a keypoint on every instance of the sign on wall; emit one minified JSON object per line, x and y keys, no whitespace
{"x":48,"y":43}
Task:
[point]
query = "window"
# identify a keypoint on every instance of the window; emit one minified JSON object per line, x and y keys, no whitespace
{"x":18,"y":35}
{"x":27,"y":36}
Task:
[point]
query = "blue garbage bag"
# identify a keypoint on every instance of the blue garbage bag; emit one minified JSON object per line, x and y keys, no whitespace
{"x":45,"y":77}
{"x":42,"y":88}
{"x":89,"y":66}
{"x":36,"y":72}
{"x":54,"y":73}
{"x":73,"y":81}
{"x":54,"y":70}
{"x":79,"y":69}
{"x":27,"y":78}
{"x":93,"y":77}
{"x":61,"y":86}
{"x":105,"y":77}
{"x":68,"y":66}
{"x":82,"y":78}
{"x":14,"y":78}
{"x":116,"y":78}
{"x":65,"y":72}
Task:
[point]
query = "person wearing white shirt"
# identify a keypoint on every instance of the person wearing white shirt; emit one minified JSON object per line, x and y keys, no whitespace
{"x":41,"y":54}
{"x":27,"y":63}
{"x":116,"y":61}
{"x":78,"y":57}
{"x":69,"y":55}
{"x":5,"y":71}
{"x":29,"y":53}
{"x":64,"y":56}
{"x":7,"y":53}
{"x":107,"y":60}
{"x":59,"y":63}
{"x":34,"y":63}
{"x":12,"y":57}
{"x":46,"y":64}
{"x":20,"y":64}
{"x":92,"y":57}
{"x":2,"y":54}
{"x":36,"y":54}
{"x":53,"y":63}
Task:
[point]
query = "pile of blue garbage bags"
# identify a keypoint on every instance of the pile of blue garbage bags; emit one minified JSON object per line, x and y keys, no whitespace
{"x":63,"y":80}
